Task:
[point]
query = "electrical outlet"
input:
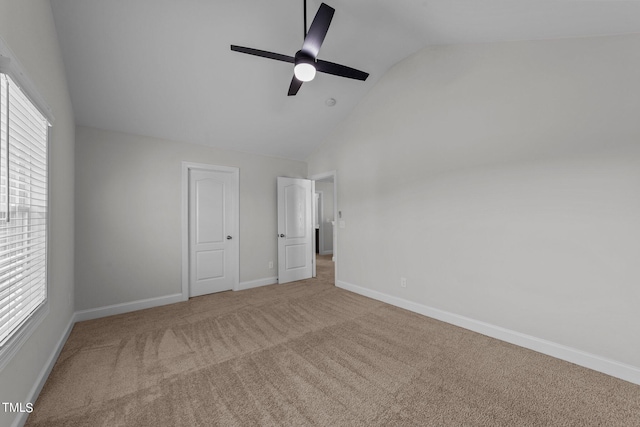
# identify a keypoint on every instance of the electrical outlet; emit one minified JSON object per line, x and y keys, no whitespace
{"x":270,"y":264}
{"x":403,"y":282}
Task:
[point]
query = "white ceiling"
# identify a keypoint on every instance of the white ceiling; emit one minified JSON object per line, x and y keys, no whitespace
{"x":164,"y":68}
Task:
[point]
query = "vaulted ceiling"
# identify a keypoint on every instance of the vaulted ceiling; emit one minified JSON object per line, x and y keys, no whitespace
{"x":163,"y":68}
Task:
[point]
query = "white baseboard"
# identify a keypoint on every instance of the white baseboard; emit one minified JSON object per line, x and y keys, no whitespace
{"x":597,"y":363}
{"x":44,"y":373}
{"x":256,"y":283}
{"x":110,"y":310}
{"x":326,"y":252}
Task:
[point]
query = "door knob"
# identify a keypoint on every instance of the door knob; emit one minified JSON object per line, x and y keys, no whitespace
{"x":282,"y":235}
{"x":229,"y":237}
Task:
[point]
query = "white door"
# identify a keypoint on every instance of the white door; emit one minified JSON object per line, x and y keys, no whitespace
{"x":213,"y":230}
{"x":295,"y":226}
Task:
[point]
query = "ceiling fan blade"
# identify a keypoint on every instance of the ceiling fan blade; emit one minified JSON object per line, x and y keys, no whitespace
{"x":340,"y":70}
{"x":318,"y":30}
{"x":294,"y":87}
{"x":263,"y":53}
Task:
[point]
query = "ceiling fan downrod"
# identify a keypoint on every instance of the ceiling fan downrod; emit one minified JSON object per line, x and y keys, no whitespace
{"x":304,"y":12}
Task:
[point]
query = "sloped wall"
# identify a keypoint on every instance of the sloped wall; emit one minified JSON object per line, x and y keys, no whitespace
{"x":503,"y":181}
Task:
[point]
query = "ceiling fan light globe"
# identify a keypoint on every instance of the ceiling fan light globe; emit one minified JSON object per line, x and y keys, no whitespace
{"x":304,"y":71}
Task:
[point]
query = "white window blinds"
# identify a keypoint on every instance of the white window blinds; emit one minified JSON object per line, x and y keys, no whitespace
{"x":23,"y":208}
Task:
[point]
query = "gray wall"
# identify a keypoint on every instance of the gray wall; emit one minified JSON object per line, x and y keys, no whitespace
{"x":128,"y":214}
{"x":27,"y":28}
{"x":506,"y":180}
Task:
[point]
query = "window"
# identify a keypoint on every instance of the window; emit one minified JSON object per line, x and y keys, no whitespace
{"x":23,"y":208}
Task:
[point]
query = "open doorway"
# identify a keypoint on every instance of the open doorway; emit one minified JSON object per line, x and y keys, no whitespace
{"x":324,"y":218}
{"x":325,"y":224}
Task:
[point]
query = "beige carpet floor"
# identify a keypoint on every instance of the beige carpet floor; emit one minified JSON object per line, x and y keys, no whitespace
{"x":308,"y":353}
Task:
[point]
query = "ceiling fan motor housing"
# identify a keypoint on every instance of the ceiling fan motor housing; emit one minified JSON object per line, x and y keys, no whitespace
{"x":305,"y":66}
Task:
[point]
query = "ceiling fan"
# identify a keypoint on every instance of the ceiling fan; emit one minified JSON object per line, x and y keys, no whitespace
{"x":305,"y":60}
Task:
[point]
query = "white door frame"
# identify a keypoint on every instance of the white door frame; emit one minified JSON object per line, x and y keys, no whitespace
{"x":320,"y":176}
{"x":186,"y":166}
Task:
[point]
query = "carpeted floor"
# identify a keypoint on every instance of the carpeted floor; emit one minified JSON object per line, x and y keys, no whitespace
{"x":308,"y":353}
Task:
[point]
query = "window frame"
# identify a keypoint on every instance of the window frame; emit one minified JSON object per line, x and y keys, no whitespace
{"x":10,"y":66}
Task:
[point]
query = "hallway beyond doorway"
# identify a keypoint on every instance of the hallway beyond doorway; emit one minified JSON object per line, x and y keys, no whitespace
{"x":325,"y":270}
